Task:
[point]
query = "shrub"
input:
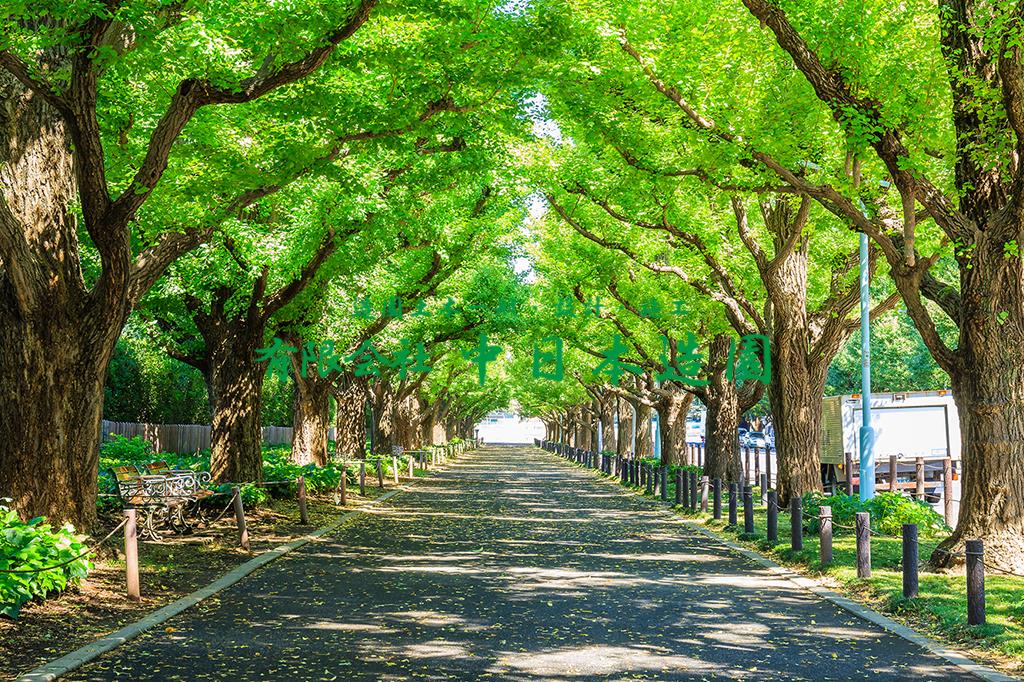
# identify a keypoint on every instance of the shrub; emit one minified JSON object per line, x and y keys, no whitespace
{"x":889,"y":511}
{"x":121,"y":450}
{"x":33,"y":545}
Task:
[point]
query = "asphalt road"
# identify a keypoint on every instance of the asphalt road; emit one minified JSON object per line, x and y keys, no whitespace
{"x":513,"y":565}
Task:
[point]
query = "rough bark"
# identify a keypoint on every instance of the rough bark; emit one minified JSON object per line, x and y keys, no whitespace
{"x":58,"y":337}
{"x":350,"y":417}
{"x":672,"y":408}
{"x":311,"y":408}
{"x":988,"y":386}
{"x":607,"y":409}
{"x":625,"y":432}
{"x":407,"y":423}
{"x":801,"y":351}
{"x":721,"y":442}
{"x":236,"y":436}
{"x":382,"y":397}
{"x":644,"y":434}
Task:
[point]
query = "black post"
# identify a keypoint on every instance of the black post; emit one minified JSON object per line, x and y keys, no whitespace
{"x":647,"y":476}
{"x":764,"y":488}
{"x":825,"y":535}
{"x":748,"y":509}
{"x":718,"y":499}
{"x":733,"y":494}
{"x":975,"y":551}
{"x":773,"y":516}
{"x":686,"y":487}
{"x":863,"y":527}
{"x":362,"y":477}
{"x":693,"y":490}
{"x":679,"y":487}
{"x":796,"y":523}
{"x":909,"y":560}
{"x":664,"y":482}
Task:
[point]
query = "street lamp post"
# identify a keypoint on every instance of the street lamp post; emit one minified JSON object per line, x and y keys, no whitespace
{"x":867,"y":432}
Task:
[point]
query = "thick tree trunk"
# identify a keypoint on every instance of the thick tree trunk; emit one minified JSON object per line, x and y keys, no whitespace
{"x":236,"y":438}
{"x":586,"y":430}
{"x":644,"y":434}
{"x":795,"y":395}
{"x":624,"y":439}
{"x":350,"y":417}
{"x":721,"y":446}
{"x":311,"y":410}
{"x":607,"y":407}
{"x":988,"y":385}
{"x":51,"y":392}
{"x":57,"y":337}
{"x":407,"y":423}
{"x":672,"y":411}
{"x":383,"y":400}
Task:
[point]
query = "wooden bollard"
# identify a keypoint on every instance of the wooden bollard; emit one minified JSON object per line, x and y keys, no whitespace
{"x":704,"y":494}
{"x":910,"y":558}
{"x":825,"y":535}
{"x":733,"y":494}
{"x":893,"y":468}
{"x":717,"y":506}
{"x":975,"y":551}
{"x":919,"y":478}
{"x":343,"y":486}
{"x":362,"y":478}
{"x":394,"y":468}
{"x":679,"y":487}
{"x":863,"y":529}
{"x":693,"y":490}
{"x":380,"y":473}
{"x":748,"y":509}
{"x":947,"y":490}
{"x":773,"y":517}
{"x":131,"y":554}
{"x":848,"y":468}
{"x":300,"y":489}
{"x":796,"y":523}
{"x":243,"y":532}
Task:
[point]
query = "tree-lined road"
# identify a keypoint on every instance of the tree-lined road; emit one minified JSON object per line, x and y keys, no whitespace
{"x":512,"y":565}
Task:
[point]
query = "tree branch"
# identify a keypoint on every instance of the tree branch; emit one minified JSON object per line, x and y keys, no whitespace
{"x":192,"y":94}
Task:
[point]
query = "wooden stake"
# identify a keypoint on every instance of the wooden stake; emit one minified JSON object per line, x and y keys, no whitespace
{"x":131,"y":554}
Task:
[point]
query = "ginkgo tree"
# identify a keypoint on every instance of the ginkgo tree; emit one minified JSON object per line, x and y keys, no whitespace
{"x":138,"y":128}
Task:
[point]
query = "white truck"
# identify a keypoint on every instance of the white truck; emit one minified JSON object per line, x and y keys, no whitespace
{"x":910,"y":426}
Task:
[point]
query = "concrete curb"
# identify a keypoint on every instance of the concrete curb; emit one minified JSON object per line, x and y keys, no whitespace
{"x":944,"y":652}
{"x":76,"y":659}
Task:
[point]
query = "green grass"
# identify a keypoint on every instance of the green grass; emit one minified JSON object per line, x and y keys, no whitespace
{"x":940,"y":609}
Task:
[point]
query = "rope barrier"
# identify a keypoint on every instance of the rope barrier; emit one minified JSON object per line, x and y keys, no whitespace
{"x":71,"y":560}
{"x":230,"y":503}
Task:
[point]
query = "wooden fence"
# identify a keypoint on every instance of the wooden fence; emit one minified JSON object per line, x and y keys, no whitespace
{"x":187,"y":437}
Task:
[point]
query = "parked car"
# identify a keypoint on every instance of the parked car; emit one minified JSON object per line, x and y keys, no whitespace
{"x":743,"y":436}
